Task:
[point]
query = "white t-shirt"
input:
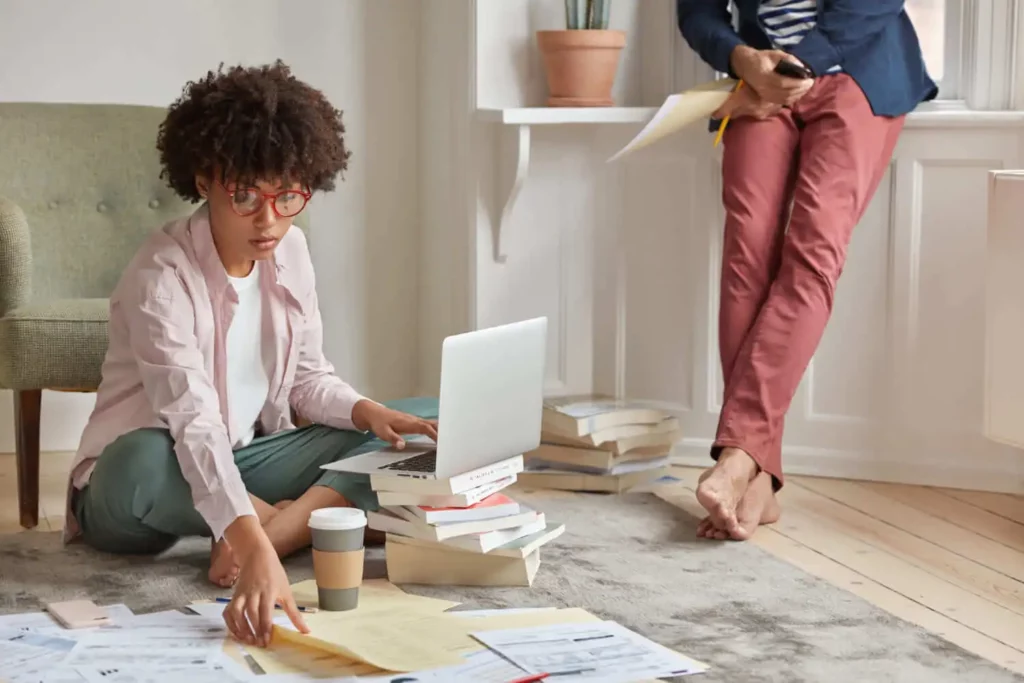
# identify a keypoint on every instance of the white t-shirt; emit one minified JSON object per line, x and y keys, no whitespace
{"x":247,"y":380}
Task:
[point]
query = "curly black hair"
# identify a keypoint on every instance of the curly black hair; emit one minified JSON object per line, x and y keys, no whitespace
{"x":250,"y":124}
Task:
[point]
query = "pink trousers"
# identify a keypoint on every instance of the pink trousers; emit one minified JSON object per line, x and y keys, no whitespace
{"x":812,"y":169}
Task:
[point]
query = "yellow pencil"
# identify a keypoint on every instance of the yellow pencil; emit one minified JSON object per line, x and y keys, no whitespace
{"x":725,"y":121}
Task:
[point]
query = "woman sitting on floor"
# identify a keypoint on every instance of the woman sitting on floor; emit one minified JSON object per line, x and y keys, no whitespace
{"x":215,"y":335}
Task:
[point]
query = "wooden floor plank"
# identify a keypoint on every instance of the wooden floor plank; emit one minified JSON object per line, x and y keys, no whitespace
{"x":1003,"y":504}
{"x":901,"y":576}
{"x":955,"y":511}
{"x":961,"y":541}
{"x":881,"y":534}
{"x":822,"y":566}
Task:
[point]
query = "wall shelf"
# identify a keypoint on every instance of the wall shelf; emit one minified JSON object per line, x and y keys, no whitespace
{"x":524,"y":118}
{"x":540,"y":116}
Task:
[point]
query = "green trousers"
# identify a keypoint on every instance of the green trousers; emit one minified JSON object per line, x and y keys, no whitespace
{"x":138,"y":502}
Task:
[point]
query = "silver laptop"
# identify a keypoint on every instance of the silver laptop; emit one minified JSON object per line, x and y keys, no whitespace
{"x":490,"y":406}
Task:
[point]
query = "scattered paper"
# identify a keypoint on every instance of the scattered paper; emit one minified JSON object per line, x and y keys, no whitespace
{"x":285,"y":657}
{"x":217,"y":671}
{"x":57,"y":674}
{"x":601,"y":652}
{"x":483,"y":666}
{"x":24,"y":653}
{"x":680,"y":111}
{"x":371,"y":639}
{"x":375,"y":596}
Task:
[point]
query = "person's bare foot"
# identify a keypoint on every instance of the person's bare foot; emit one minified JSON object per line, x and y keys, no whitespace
{"x":223,"y":568}
{"x":721,"y":488}
{"x":705,"y":528}
{"x":759,"y":506}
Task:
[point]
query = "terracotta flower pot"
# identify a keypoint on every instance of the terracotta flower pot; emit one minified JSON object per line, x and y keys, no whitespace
{"x":581,"y":65}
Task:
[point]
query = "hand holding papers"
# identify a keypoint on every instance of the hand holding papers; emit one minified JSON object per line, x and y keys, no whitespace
{"x":679,"y":111}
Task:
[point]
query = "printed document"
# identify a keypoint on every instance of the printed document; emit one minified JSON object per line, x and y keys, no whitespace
{"x":680,"y":111}
{"x":598,"y":652}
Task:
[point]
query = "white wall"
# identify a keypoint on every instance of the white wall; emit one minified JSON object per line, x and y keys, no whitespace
{"x":896,"y":389}
{"x":364,"y":235}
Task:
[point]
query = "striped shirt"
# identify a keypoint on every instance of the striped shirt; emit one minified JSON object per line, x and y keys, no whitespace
{"x":786,"y":22}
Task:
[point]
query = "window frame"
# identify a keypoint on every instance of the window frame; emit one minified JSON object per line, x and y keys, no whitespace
{"x":952,"y":50}
{"x":988,"y":54}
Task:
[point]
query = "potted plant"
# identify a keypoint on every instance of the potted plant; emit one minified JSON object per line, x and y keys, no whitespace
{"x":582,"y":60}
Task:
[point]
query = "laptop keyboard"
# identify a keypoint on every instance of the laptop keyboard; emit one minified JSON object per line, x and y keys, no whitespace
{"x":423,"y":462}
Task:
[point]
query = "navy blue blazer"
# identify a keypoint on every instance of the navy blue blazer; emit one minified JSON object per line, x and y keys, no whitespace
{"x":872,"y":40}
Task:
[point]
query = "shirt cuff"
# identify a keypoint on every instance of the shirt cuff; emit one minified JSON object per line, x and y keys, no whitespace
{"x":221,"y":507}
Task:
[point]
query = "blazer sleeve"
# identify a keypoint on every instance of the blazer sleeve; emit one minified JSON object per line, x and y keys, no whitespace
{"x":706,"y":26}
{"x":160,"y":317}
{"x":842,"y":24}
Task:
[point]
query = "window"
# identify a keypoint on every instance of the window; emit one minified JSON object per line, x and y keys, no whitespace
{"x":929,"y":17}
{"x":938,"y":27}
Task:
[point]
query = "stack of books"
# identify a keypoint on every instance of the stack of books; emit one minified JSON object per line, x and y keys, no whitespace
{"x":461,"y":531}
{"x":596,"y":443}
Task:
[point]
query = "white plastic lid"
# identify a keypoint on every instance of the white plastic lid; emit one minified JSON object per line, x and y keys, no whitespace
{"x":337,"y":519}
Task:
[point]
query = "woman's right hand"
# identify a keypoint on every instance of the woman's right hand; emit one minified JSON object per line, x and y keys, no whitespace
{"x":262,"y":586}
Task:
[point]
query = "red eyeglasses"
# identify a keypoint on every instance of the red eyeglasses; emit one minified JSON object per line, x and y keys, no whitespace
{"x":245,"y":201}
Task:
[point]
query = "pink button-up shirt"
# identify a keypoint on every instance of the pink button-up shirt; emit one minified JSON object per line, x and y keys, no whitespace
{"x":165,"y":365}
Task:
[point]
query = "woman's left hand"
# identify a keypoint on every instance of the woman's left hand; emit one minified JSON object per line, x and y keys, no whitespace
{"x":390,"y":424}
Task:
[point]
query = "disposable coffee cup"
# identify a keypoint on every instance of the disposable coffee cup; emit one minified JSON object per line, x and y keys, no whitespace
{"x":338,"y":556}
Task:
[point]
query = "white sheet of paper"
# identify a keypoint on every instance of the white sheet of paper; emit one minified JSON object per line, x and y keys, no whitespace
{"x":596,"y":652}
{"x":679,"y":111}
{"x":133,"y":655}
{"x":41,"y":622}
{"x":58,"y":674}
{"x":27,"y":652}
{"x":161,"y":631}
{"x":499,"y":612}
{"x":482,"y":666}
{"x":218,"y":671}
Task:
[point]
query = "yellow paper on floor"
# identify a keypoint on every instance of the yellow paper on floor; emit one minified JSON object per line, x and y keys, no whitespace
{"x":283,"y":657}
{"x":415,"y":641}
{"x":679,"y":111}
{"x":375,"y":596}
{"x":361,"y":634}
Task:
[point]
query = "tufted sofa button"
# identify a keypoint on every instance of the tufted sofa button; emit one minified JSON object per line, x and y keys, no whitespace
{"x":154,"y":203}
{"x":101,"y":207}
{"x":52,"y":204}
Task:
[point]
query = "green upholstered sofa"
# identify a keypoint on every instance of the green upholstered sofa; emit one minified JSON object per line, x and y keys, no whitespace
{"x":79,"y":192}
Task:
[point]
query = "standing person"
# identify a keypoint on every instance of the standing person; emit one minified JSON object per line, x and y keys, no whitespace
{"x":215,"y":336}
{"x":802,"y":159}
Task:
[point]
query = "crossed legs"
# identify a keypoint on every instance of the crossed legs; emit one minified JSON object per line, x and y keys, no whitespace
{"x":795,"y":185}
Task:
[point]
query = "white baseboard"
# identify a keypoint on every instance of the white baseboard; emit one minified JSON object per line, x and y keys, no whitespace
{"x":984,"y":474}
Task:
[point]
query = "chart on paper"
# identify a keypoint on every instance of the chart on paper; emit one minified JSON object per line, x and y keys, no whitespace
{"x":596,"y":652}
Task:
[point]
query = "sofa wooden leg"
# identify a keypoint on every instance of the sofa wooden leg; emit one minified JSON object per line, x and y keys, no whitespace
{"x":27,"y":408}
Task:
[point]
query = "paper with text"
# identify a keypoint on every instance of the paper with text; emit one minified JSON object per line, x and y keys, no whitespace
{"x":680,"y":111}
{"x":600,"y":652}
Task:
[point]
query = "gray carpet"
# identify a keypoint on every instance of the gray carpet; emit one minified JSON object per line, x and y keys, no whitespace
{"x":630,"y":558}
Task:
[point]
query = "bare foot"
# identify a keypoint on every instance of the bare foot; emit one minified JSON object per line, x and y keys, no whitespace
{"x":223,"y":568}
{"x":282,"y":504}
{"x":721,"y":488}
{"x":759,"y":506}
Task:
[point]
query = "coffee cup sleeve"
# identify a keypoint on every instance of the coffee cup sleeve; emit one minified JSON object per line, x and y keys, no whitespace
{"x":335,"y":570}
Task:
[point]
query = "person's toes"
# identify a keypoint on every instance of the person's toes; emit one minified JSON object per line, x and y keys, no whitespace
{"x":704,"y":527}
{"x":223,"y":568}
